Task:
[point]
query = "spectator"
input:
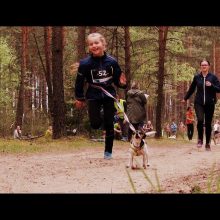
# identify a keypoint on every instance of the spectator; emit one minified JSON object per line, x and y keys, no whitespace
{"x":120,"y":116}
{"x":182,"y":129}
{"x":167,"y":129}
{"x":173,"y":129}
{"x":190,"y":118}
{"x":117,"y":131}
{"x":17,"y":133}
{"x":148,"y":127}
{"x":49,"y":132}
{"x":216,"y":130}
{"x":136,"y":101}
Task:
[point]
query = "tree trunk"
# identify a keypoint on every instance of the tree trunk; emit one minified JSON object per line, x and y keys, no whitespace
{"x":81,"y":42}
{"x":44,"y":95}
{"x":127,"y":56}
{"x":116,"y":44}
{"x":81,"y":53}
{"x":216,"y":60}
{"x":27,"y":77}
{"x":160,"y":76}
{"x":48,"y":72}
{"x":20,"y":104}
{"x":59,"y":129}
{"x":190,"y":46}
{"x":92,"y":29}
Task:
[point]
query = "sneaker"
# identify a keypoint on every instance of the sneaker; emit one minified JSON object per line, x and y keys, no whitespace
{"x":107,"y":155}
{"x":207,"y":147}
{"x":199,"y":144}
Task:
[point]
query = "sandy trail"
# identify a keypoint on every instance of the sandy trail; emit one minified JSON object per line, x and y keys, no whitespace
{"x":85,"y":171}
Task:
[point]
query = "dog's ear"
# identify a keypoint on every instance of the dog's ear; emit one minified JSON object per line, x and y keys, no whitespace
{"x":133,"y":133}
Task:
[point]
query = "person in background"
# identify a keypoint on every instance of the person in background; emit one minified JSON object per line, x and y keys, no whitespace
{"x":49,"y":132}
{"x":167,"y":129}
{"x":216,"y":130}
{"x":17,"y":133}
{"x":206,"y":85}
{"x":173,"y":129}
{"x":148,"y":127}
{"x":120,"y":115}
{"x":117,"y":131}
{"x":190,"y":119}
{"x":136,"y":112}
{"x":182,"y":129}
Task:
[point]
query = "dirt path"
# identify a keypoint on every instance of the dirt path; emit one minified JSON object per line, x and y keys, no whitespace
{"x":85,"y":171}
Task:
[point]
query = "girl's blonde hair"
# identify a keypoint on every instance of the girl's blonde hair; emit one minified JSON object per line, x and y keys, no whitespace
{"x":98,"y":35}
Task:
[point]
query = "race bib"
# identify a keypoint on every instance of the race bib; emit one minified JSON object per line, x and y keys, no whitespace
{"x":101,"y":76}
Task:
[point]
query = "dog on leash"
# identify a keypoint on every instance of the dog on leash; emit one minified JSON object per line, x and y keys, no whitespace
{"x":138,"y":147}
{"x":216,"y":137}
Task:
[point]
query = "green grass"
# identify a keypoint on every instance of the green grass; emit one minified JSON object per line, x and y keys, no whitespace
{"x":66,"y":144}
{"x":213,"y":183}
{"x":45,"y":145}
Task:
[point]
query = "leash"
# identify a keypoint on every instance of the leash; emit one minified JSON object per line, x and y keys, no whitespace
{"x":118,"y":104}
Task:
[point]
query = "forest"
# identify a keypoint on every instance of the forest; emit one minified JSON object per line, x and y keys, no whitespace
{"x":38,"y":67}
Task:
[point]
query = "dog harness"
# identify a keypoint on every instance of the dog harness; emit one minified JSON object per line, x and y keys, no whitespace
{"x":136,"y":149}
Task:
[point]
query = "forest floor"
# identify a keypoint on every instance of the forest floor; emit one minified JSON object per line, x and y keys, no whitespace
{"x":177,"y":168}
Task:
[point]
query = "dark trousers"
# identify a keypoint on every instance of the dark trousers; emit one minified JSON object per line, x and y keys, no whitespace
{"x":204,"y":114}
{"x":190,"y":130}
{"x":97,"y":121}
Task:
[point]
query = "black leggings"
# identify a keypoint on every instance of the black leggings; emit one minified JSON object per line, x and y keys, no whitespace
{"x":190,"y":130}
{"x":204,"y":112}
{"x":96,"y":120}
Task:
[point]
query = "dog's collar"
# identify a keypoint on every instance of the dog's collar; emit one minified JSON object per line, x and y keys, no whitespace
{"x":135,"y":147}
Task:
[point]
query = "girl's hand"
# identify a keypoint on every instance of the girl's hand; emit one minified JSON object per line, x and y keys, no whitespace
{"x":207,"y":83}
{"x":123,"y":79}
